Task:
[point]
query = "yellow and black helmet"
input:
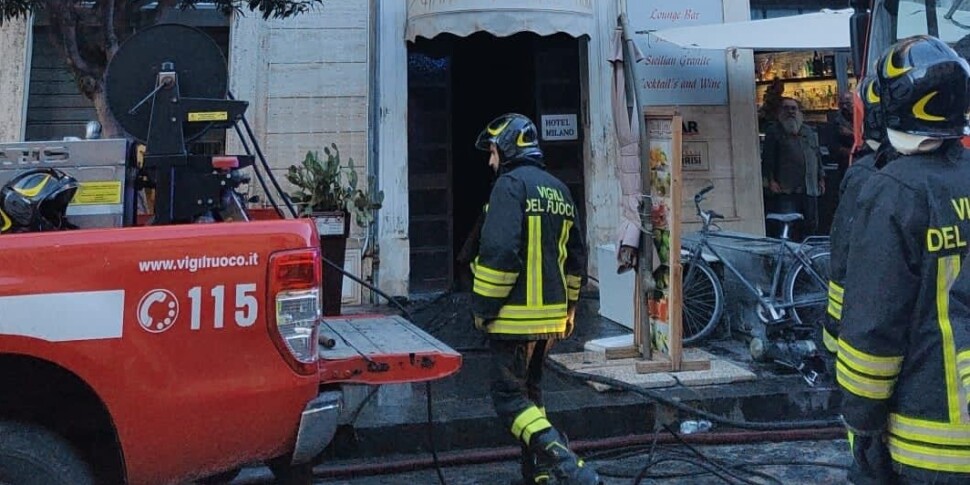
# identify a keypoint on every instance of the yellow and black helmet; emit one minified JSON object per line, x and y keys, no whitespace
{"x":36,"y":200}
{"x":514,"y":135}
{"x":874,"y":124}
{"x":925,"y":88}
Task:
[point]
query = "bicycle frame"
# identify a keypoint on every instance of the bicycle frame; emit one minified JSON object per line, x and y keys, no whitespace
{"x":770,"y":304}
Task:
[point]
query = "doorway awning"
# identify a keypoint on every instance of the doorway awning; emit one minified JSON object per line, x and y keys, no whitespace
{"x":501,"y":18}
{"x":827,"y":29}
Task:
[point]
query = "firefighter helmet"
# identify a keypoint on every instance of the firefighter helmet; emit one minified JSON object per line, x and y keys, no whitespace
{"x":514,"y":135}
{"x":36,"y":200}
{"x":925,"y":88}
{"x":874,"y":125}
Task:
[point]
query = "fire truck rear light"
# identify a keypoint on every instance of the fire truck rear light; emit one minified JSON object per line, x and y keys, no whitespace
{"x":225,"y":163}
{"x":298,"y":316}
{"x":298,"y":271}
{"x":294,"y":289}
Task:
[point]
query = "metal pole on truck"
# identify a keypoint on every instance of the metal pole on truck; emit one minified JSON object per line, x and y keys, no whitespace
{"x":644,"y":281}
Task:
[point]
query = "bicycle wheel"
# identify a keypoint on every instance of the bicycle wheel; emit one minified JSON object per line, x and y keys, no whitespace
{"x":802,"y":286}
{"x":703,"y":300}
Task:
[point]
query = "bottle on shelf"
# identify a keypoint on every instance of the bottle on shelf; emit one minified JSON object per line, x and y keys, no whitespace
{"x":817,"y":65}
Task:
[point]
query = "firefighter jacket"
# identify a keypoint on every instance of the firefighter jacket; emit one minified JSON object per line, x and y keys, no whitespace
{"x":855,"y":177}
{"x":897,"y":360}
{"x":531,"y":257}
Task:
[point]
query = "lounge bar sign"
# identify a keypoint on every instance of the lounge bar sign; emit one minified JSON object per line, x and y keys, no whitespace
{"x":668,"y":73}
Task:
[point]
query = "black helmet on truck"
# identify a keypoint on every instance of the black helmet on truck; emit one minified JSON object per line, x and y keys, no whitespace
{"x":36,"y":200}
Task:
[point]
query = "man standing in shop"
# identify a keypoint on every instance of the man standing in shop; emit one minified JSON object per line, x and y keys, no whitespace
{"x":792,"y":163}
{"x":528,"y":272}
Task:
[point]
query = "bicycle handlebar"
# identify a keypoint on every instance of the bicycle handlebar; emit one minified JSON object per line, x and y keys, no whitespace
{"x":708,"y":215}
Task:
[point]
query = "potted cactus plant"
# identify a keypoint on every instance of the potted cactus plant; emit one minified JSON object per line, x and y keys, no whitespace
{"x":329,"y":192}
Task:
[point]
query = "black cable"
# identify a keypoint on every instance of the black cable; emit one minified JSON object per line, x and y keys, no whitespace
{"x":407,"y":314}
{"x":259,"y":175}
{"x":719,"y":466}
{"x":404,"y":311}
{"x":741,"y":466}
{"x":650,"y":462}
{"x":431,"y":441}
{"x":555,"y":365}
{"x":262,"y":159}
{"x":700,"y":464}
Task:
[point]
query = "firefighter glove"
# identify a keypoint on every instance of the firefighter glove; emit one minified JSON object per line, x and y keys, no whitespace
{"x":481,"y":323}
{"x":570,"y":320}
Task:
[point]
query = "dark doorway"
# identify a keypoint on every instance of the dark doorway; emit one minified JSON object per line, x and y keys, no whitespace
{"x":456,"y":86}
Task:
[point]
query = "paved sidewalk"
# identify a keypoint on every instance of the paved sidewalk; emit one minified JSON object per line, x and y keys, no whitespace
{"x":394,"y":419}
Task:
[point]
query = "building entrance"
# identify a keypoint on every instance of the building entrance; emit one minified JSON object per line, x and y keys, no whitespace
{"x":456,"y":85}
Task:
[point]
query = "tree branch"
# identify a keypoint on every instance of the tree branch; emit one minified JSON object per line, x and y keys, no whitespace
{"x":161,"y":7}
{"x":110,"y":35}
{"x":64,"y":24}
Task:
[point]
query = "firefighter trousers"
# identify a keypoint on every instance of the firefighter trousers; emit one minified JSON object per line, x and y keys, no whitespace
{"x":516,"y":376}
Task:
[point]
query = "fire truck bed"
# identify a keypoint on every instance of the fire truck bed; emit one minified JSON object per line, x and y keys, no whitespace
{"x":382,"y":349}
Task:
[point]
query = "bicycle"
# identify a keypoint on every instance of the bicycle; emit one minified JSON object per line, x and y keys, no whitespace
{"x":796,"y":303}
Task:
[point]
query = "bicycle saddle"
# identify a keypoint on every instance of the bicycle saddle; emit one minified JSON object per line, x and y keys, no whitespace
{"x":789,"y":217}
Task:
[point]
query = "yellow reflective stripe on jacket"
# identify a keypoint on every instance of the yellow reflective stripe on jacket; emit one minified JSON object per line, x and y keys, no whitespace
{"x":534,"y":262}
{"x":929,"y":457}
{"x":524,"y":320}
{"x":868,"y":364}
{"x":831,"y":343}
{"x":836,"y":299}
{"x":862,"y":385}
{"x":563,"y":238}
{"x":963,"y":366}
{"x":573,"y":284}
{"x":484,"y":288}
{"x":533,"y":312}
{"x":528,"y":423}
{"x":836,"y":292}
{"x":493,"y":276}
{"x":930,"y":432}
{"x":947,"y":270}
{"x":835,"y":309}
{"x":492,"y":283}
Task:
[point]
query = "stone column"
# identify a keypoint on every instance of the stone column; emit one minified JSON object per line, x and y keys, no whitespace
{"x":15,"y":42}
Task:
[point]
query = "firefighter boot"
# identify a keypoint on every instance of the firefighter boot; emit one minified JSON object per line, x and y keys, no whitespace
{"x":532,"y":473}
{"x":527,"y":461}
{"x":553,"y":454}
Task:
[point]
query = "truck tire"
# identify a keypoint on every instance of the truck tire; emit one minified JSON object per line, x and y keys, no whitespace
{"x":220,"y":479}
{"x":32,"y":455}
{"x":289,"y":474}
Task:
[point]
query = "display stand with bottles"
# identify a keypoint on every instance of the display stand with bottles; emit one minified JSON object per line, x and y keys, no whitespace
{"x":815,"y":78}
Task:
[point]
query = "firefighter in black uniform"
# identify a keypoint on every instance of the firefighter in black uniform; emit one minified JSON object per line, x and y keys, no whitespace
{"x":874,"y":134}
{"x":897,"y":360}
{"x":527,"y":275}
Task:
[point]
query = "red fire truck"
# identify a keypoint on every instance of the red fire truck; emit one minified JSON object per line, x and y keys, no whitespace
{"x":189,"y":347}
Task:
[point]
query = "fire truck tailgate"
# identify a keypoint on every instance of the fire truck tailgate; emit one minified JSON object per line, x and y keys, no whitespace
{"x":381,"y":349}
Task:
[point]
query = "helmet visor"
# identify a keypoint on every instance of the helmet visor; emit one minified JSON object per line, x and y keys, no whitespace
{"x":484,"y":141}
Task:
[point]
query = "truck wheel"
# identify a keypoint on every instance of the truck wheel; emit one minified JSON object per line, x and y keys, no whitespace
{"x":288,"y":474}
{"x":32,"y":455}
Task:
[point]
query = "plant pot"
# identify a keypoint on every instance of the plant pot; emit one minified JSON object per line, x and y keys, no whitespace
{"x":333,"y":228}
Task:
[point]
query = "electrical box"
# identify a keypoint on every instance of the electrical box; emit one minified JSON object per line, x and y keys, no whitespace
{"x":105,"y":197}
